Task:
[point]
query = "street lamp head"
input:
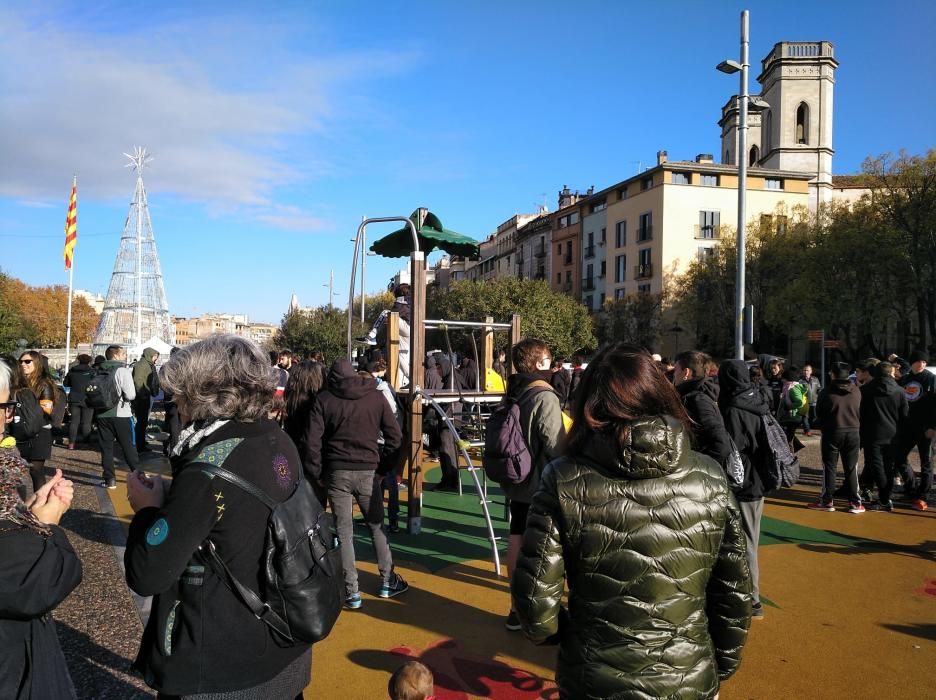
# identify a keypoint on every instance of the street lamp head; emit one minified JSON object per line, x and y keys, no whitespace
{"x":728,"y":66}
{"x":758,"y":103}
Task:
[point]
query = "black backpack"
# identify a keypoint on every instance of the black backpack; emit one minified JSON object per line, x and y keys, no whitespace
{"x":28,"y":418}
{"x":303,"y":585}
{"x":781,"y":468}
{"x":102,"y":392}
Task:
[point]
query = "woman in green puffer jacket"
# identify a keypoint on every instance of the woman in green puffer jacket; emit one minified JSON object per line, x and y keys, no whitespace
{"x":648,"y":537}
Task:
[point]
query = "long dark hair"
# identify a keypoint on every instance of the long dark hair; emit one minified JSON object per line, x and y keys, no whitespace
{"x":305,"y":381}
{"x":40,"y":378}
{"x":621,"y":385}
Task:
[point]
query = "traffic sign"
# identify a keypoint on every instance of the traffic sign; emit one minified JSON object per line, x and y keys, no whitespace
{"x":814,"y":335}
{"x":832,"y":344}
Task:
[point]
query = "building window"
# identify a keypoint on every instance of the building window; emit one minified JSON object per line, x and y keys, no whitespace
{"x":710,"y":180}
{"x":708,"y":224}
{"x":645,"y":227}
{"x":706,"y":253}
{"x":755,"y":156}
{"x":569,"y":276}
{"x":622,"y":193}
{"x":558,"y":278}
{"x":589,"y":279}
{"x":590,"y":246}
{"x":727,"y":160}
{"x":646,"y":183}
{"x":620,"y":234}
{"x":604,"y":236}
{"x":600,"y":206}
{"x":603,"y":298}
{"x":643,"y":288}
{"x":619,"y":293}
{"x":588,"y":302}
{"x":620,"y":265}
{"x":644,"y":268}
{"x":644,"y":256}
{"x":802,"y":123}
{"x":604,"y":268}
{"x":766,"y":136}
{"x":680,"y":178}
{"x":773,"y":183}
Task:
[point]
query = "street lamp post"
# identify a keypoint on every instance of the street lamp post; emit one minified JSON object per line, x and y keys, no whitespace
{"x":742,"y":156}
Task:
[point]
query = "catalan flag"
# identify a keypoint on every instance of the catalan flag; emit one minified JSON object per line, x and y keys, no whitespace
{"x":71,"y":225}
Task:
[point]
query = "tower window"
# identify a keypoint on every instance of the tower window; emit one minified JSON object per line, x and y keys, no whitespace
{"x":802,"y":123}
{"x":755,"y":155}
{"x":766,"y":132}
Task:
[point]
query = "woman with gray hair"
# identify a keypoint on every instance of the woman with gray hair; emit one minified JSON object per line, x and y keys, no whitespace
{"x":201,"y":640}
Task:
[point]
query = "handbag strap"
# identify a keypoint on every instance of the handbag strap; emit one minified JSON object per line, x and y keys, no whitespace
{"x":257,"y":606}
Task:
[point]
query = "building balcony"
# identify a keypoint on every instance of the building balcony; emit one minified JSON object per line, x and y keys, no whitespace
{"x":567,"y":287}
{"x":643,"y":272}
{"x":588,"y":285}
{"x":645,"y":234}
{"x":704,"y":232}
{"x":589,"y":251}
{"x":568,"y":259}
{"x":540,"y":252}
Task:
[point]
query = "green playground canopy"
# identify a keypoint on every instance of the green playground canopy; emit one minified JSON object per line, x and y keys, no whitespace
{"x":432,"y":235}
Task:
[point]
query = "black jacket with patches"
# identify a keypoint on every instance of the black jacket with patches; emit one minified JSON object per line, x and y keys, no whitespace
{"x":700,"y":397}
{"x":743,"y":406}
{"x":345,"y":423}
{"x":883,"y":407}
{"x":37,"y":574}
{"x":920,"y":390}
{"x":77,"y":381}
{"x":200,"y":636}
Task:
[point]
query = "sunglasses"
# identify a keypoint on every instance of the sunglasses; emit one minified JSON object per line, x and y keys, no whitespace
{"x":9,"y":407}
{"x":25,"y":362}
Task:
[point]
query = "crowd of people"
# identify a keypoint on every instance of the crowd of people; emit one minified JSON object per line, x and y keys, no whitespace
{"x":657,"y":449}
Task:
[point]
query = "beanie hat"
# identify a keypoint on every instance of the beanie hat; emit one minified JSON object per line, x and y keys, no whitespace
{"x":918,"y":356}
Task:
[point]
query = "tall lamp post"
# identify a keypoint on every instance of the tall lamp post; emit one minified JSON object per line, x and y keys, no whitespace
{"x":741,"y":156}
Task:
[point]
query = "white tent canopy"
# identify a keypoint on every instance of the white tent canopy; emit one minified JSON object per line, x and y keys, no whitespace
{"x":159,"y":345}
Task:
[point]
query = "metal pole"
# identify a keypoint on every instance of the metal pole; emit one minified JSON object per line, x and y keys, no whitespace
{"x":363,"y":266}
{"x":139,"y":323}
{"x":742,"y":189}
{"x":71,"y":274}
{"x":822,"y":377}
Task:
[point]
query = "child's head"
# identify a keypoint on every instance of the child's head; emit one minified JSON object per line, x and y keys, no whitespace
{"x":412,"y":681}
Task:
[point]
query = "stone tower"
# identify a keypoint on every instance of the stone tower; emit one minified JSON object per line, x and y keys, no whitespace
{"x":794,"y":130}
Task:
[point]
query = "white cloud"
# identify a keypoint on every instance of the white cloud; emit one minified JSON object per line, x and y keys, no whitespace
{"x":73,"y":102}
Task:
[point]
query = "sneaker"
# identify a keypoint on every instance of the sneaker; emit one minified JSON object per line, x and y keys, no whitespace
{"x":757,"y":611}
{"x":856,"y":508}
{"x":825,"y":506}
{"x":807,"y":433}
{"x":353,"y":602}
{"x":443,"y":486}
{"x":920,"y":504}
{"x":71,"y":446}
{"x":513,"y":622}
{"x":109,"y":483}
{"x":878,"y":507}
{"x":394,"y":588}
{"x":393,"y":529}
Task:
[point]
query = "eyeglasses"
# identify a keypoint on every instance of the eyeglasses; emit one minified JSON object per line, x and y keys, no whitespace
{"x":25,"y":362}
{"x":9,"y":407}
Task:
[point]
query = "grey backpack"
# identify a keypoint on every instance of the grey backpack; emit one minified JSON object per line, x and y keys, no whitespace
{"x":507,"y":458}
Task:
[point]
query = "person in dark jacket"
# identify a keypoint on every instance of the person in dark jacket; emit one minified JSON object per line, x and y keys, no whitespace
{"x":146,"y":384}
{"x":743,"y":406}
{"x":77,"y":380}
{"x":578,"y":369}
{"x":699,"y":394}
{"x":883,"y":407}
{"x":560,"y":380}
{"x":614,"y":518}
{"x":39,"y":570}
{"x":342,"y":449}
{"x":839,"y":411}
{"x":448,"y":381}
{"x":201,"y":638}
{"x":34,"y":378}
{"x":917,"y":430}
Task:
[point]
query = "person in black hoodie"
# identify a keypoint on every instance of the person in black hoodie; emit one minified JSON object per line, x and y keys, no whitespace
{"x":560,"y":381}
{"x":917,"y":430}
{"x":883,"y":407}
{"x":699,"y":394}
{"x":743,"y":407}
{"x":839,"y":411}
{"x":342,"y":449}
{"x":77,"y":380}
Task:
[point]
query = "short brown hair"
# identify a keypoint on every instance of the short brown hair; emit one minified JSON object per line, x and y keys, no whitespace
{"x":412,"y":681}
{"x":695,"y":361}
{"x":527,"y":353}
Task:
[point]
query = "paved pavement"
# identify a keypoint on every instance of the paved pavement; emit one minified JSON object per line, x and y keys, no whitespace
{"x":100,"y":623}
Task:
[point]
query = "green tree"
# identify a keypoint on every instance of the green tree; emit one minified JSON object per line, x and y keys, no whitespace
{"x":636,"y":319}
{"x":555,"y":318}
{"x":323,"y":330}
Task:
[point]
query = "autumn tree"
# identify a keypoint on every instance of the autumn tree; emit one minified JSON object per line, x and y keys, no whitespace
{"x":39,"y":314}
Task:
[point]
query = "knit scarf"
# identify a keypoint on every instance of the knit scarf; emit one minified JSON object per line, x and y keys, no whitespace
{"x":195,"y":433}
{"x":13,"y":472}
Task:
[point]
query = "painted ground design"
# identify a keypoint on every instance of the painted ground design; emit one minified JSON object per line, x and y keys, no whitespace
{"x":851,"y":608}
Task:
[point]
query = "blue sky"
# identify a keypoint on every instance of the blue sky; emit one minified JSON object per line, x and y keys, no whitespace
{"x":275,"y":126}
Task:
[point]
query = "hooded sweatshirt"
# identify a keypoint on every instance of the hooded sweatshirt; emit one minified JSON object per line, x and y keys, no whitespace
{"x":742,"y":407}
{"x":77,"y":380}
{"x":883,"y":407}
{"x":700,"y":397}
{"x":145,"y":381}
{"x":345,"y":423}
{"x":839,"y":408}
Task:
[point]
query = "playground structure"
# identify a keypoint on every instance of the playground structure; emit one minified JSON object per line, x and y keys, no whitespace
{"x":416,"y":397}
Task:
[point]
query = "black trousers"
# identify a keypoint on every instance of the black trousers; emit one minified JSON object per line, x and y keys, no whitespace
{"x":141,"y":411}
{"x":847,"y":446}
{"x":448,"y":456}
{"x":109,"y":430}
{"x":80,"y":419}
{"x":924,"y":446}
{"x":879,"y":468}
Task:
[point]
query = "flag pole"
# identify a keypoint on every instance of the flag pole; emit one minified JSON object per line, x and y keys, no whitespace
{"x":71,"y":238}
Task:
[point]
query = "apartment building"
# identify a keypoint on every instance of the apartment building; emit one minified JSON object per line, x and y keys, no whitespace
{"x":534,"y":242}
{"x":566,"y":223}
{"x":191,"y":330}
{"x":594,"y":213}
